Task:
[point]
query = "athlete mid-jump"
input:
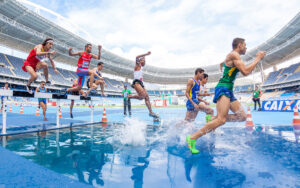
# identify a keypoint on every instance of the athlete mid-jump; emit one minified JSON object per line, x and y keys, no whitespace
{"x":138,"y":84}
{"x":83,"y":65}
{"x":35,"y":61}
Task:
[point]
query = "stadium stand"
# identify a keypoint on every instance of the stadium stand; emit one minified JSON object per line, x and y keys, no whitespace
{"x":11,"y":67}
{"x":291,"y":73}
{"x":243,"y":88}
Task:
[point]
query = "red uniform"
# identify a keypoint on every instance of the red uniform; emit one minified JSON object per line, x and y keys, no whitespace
{"x":83,"y":67}
{"x":33,"y":59}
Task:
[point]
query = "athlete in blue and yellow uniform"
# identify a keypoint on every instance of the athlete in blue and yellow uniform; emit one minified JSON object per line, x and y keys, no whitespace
{"x":193,"y":104}
{"x":42,"y":102}
{"x":224,"y":91}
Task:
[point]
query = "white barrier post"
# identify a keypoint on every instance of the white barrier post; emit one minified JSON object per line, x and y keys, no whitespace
{"x":4,"y":141}
{"x":57,"y":113}
{"x":57,"y":144}
{"x":92,"y":112}
{"x":4,"y":115}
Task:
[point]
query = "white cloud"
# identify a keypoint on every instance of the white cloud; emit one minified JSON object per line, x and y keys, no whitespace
{"x":181,"y":33}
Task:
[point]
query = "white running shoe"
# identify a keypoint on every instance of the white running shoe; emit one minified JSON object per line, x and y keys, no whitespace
{"x":29,"y":90}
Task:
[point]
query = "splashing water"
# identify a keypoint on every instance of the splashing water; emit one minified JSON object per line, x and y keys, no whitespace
{"x":132,"y":133}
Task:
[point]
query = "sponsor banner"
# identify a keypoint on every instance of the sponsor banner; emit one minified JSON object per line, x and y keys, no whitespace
{"x":280,"y":105}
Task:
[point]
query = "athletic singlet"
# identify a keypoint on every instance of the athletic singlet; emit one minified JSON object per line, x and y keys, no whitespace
{"x":229,"y":75}
{"x":202,"y":89}
{"x":33,"y":58}
{"x":194,"y":92}
{"x":42,"y":90}
{"x":96,"y":77}
{"x":84,"y":61}
{"x":138,"y":75}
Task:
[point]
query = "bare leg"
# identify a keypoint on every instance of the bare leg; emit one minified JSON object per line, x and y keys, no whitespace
{"x":206,"y":109}
{"x":148,"y":104}
{"x":44,"y":107}
{"x":239,"y":113}
{"x":101,"y":83}
{"x":94,"y":86}
{"x":136,"y":97}
{"x":190,"y":116}
{"x":81,"y":92}
{"x":140,"y":92}
{"x":32,"y":73}
{"x":71,"y":108}
{"x":91,"y":74}
{"x":74,"y":89}
{"x":223,"y":106}
{"x":44,"y":66}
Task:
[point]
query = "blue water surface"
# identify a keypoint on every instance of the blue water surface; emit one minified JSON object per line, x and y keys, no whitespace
{"x":136,"y":152}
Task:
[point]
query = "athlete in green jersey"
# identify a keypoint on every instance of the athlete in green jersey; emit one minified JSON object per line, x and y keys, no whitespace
{"x":223,"y":92}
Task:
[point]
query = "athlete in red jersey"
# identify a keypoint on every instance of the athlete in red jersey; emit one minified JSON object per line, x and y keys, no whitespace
{"x":35,"y":61}
{"x":83,"y":66}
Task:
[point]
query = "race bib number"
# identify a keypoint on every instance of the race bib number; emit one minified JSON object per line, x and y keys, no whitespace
{"x":85,"y":64}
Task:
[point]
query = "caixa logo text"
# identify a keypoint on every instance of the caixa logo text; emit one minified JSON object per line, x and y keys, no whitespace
{"x":280,"y":105}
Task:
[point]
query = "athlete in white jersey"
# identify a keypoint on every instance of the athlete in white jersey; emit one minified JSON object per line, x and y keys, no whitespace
{"x":138,"y":83}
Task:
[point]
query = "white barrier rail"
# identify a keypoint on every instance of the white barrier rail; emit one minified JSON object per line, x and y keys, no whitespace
{"x":57,"y":97}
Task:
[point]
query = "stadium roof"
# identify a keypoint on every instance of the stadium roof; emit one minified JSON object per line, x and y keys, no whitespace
{"x":22,"y":28}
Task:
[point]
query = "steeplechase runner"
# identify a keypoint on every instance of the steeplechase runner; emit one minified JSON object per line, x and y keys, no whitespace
{"x":192,"y":93}
{"x":98,"y":79}
{"x":80,"y":92}
{"x":138,"y":84}
{"x":224,"y":96}
{"x":83,"y":66}
{"x":35,"y":61}
{"x":42,"y":102}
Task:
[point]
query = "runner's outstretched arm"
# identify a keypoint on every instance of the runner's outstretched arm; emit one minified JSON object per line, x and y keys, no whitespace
{"x":143,"y":55}
{"x":99,"y":53}
{"x":53,"y":65}
{"x":71,"y":53}
{"x":247,"y":69}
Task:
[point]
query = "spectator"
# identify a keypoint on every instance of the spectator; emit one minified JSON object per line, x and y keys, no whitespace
{"x":256,"y":97}
{"x":126,"y":100}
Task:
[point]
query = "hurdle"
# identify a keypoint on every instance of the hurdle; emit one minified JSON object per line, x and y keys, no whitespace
{"x":57,"y":97}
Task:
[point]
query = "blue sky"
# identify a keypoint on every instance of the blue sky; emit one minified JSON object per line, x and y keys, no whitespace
{"x":179,"y":33}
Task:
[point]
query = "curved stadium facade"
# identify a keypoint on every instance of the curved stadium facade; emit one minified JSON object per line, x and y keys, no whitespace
{"x":22,"y":28}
